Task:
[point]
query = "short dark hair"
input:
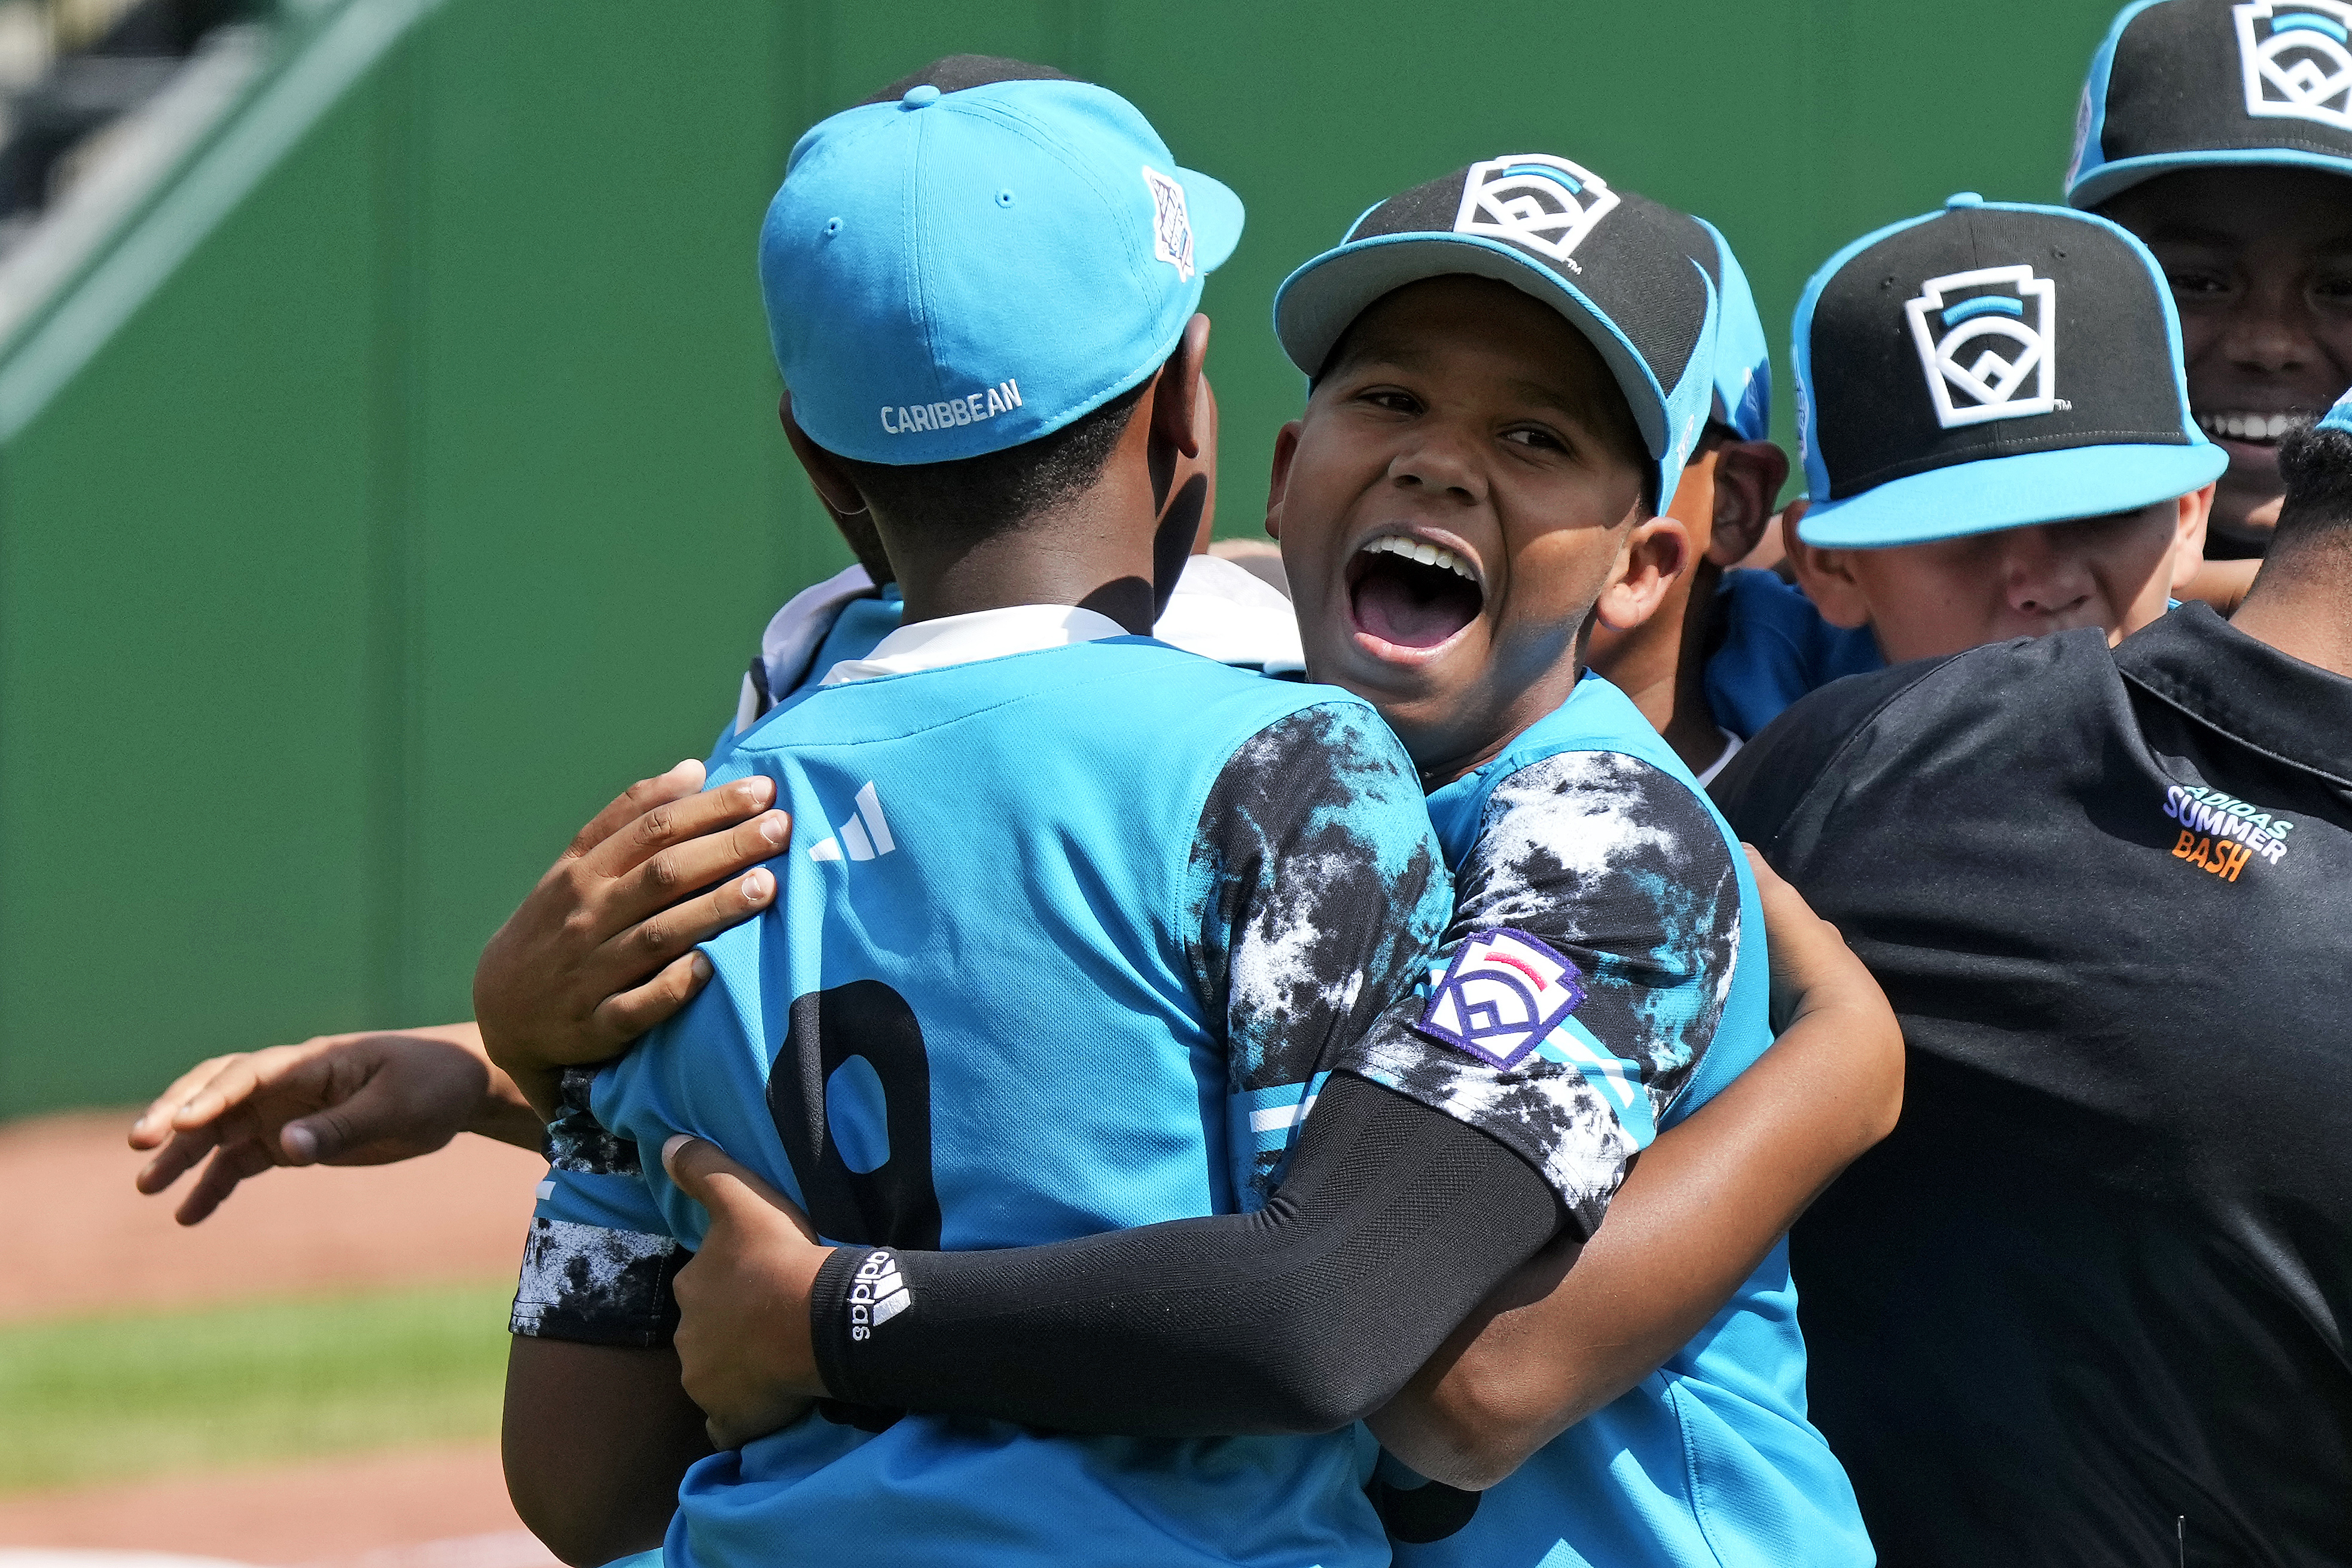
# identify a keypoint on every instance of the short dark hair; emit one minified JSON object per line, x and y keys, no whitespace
{"x":953,"y":73}
{"x":997,"y":491}
{"x":2317,"y":466}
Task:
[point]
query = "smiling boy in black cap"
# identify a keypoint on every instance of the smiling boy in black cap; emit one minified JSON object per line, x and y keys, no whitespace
{"x":1996,"y":438}
{"x":2219,"y":131}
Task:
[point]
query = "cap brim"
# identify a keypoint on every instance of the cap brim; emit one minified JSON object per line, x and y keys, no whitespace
{"x":1995,"y":493}
{"x":2109,"y":180}
{"x":1216,"y":216}
{"x":1316,"y":303}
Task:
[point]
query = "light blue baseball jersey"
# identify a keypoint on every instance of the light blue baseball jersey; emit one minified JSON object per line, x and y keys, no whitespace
{"x":1590,"y":834}
{"x":1034,"y":974}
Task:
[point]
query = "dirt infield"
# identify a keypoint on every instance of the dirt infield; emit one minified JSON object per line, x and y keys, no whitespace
{"x":90,"y":1244}
{"x":81,"y":1241}
{"x":441,"y":1508}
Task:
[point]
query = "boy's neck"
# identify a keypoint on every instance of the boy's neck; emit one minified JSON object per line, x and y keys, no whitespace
{"x":1094,"y":551}
{"x":1661,"y":665}
{"x":2297,"y":604}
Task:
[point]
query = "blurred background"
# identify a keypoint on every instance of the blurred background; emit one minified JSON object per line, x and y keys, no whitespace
{"x":389,"y":474}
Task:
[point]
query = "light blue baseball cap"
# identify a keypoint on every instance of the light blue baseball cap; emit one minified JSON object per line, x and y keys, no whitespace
{"x":955,"y":273}
{"x":2339,"y":418}
{"x":1743,"y":351}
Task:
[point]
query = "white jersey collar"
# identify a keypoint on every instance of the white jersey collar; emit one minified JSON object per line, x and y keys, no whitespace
{"x":983,"y":634}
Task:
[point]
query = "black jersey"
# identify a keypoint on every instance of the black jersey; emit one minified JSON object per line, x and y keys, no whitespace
{"x":2088,"y":1305}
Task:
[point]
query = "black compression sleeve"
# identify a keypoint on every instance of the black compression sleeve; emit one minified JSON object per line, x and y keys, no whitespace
{"x":1394,"y":1222}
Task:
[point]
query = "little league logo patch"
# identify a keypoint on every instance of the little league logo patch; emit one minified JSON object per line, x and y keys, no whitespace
{"x":1501,"y":994}
{"x":1171,"y":223}
{"x":1548,"y":205}
{"x":2296,"y":60}
{"x":1991,"y":350}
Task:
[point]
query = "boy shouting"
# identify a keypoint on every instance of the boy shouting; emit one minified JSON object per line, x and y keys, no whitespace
{"x":1509,"y":366}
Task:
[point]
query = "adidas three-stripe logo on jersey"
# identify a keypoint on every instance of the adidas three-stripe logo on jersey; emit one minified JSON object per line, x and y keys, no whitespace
{"x":866,"y":834}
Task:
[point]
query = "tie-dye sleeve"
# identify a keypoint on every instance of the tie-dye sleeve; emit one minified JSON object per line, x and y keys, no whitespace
{"x":1590,"y":953}
{"x":599,"y":1261}
{"x":1317,"y":890}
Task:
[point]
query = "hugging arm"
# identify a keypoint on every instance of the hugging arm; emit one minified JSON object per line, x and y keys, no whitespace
{"x":1401,"y":1196}
{"x":595,"y":1440}
{"x":592,"y":957}
{"x":1574,"y":1330}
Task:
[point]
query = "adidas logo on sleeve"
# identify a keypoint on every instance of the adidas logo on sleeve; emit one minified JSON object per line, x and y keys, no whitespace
{"x":878,"y":1293}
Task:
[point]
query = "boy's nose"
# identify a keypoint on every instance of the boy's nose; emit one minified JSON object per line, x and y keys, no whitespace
{"x":2270,"y":331}
{"x":2043,"y":577}
{"x":1437,"y":462}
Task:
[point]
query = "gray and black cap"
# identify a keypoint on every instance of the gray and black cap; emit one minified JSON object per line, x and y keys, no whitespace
{"x":1989,"y":366}
{"x":1624,"y":270}
{"x":2184,"y":84}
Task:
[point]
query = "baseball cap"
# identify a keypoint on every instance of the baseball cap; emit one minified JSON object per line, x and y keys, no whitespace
{"x":1620,"y":268}
{"x":1988,"y":367}
{"x":2339,"y":418}
{"x":1743,"y":354}
{"x":2181,"y":84}
{"x":957,"y":272}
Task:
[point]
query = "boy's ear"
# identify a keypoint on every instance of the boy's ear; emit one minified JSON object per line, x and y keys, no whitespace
{"x":1285,"y":449}
{"x":1827,"y":576}
{"x":2188,"y":542}
{"x":1176,"y":404}
{"x":833,"y":486}
{"x":1654,"y":552}
{"x":1747,"y":479}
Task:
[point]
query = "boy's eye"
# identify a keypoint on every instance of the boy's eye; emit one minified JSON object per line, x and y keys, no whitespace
{"x":1538,"y":439}
{"x":2196,"y":285}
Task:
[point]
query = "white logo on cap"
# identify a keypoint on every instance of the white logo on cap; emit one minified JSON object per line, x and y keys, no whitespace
{"x":2005,"y":302}
{"x":1547,"y":203}
{"x":1171,"y":225}
{"x":2295,"y":59}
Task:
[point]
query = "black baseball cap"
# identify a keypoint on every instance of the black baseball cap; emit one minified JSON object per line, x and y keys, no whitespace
{"x":1624,"y":270}
{"x":1987,"y":366}
{"x":2182,"y":84}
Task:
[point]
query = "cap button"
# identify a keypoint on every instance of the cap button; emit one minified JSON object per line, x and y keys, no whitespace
{"x":920,"y":97}
{"x":1964,"y":199}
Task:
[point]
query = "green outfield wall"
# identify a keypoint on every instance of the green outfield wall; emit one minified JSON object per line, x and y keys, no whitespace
{"x":403,"y":478}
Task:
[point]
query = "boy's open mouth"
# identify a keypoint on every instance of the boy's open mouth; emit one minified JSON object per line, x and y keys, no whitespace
{"x":1410,"y":592}
{"x":2253,"y":429}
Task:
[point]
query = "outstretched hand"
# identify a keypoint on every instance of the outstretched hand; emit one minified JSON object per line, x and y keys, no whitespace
{"x":603,"y":949}
{"x":744,"y":1347}
{"x":338,"y":1100}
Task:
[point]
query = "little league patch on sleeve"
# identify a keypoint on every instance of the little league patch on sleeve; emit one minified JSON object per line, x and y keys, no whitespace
{"x":1503,"y":993}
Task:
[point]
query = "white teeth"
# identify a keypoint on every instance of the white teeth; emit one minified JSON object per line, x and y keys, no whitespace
{"x":2251,"y":427}
{"x":1420,"y":550}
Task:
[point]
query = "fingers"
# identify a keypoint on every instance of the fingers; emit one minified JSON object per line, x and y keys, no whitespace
{"x":682,"y":779}
{"x":705,"y":1174}
{"x":624,"y":1017}
{"x":154,"y":1124}
{"x":668,"y":923}
{"x":242,"y":1076}
{"x":670,"y":874}
{"x":182,"y":1152}
{"x":670,"y":823}
{"x":318,"y":1138}
{"x":229,"y":1166}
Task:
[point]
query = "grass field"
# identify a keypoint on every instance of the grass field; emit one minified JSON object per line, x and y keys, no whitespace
{"x":111,"y":1399}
